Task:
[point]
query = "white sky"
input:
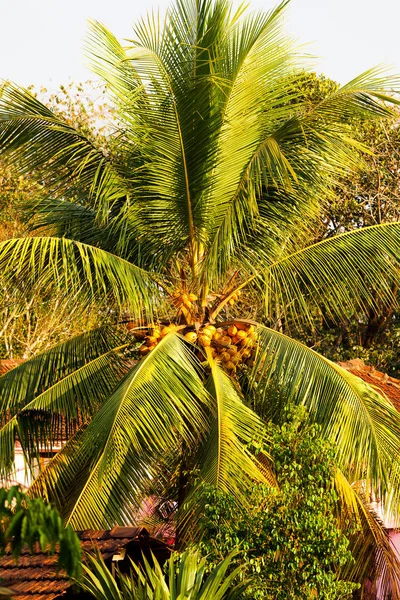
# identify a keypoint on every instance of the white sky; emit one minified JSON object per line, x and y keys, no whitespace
{"x":41,"y":41}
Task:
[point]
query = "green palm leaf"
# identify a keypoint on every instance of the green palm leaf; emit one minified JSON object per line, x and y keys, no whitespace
{"x":362,"y":423}
{"x":354,"y":270}
{"x":97,"y":275}
{"x":293,"y":162}
{"x":43,"y":399}
{"x":52,"y":416}
{"x":35,"y":139}
{"x":370,"y":544}
{"x":225,"y":462}
{"x":159,"y":403}
{"x":28,"y":380}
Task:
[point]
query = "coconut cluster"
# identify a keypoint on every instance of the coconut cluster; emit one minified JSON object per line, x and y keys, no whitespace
{"x":181,"y":299}
{"x":232,"y":346}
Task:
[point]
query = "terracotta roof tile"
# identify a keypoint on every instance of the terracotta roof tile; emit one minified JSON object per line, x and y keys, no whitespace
{"x":35,"y":576}
{"x":390,"y":386}
{"x":8,"y":364}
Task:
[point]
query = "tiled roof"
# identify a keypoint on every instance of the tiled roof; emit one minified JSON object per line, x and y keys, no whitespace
{"x":8,"y":364}
{"x":388,"y":385}
{"x":35,"y":577}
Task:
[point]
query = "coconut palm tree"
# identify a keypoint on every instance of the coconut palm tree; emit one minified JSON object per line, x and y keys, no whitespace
{"x":200,"y":205}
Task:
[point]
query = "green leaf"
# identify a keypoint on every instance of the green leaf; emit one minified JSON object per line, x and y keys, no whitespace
{"x":159,"y":403}
{"x":362,"y":423}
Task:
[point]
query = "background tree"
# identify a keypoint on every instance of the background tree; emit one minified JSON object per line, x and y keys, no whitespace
{"x":35,"y":321}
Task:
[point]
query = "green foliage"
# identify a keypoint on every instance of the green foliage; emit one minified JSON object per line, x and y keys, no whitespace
{"x":289,"y":537}
{"x":362,"y":197}
{"x":34,"y":321}
{"x":26,"y":521}
{"x":186,"y":577}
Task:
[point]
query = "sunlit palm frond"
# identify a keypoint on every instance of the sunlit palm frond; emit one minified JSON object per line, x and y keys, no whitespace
{"x":36,"y":140}
{"x":74,"y":267}
{"x":332,"y":278}
{"x":26,"y":381}
{"x":44,"y":398}
{"x":363,"y":424}
{"x":313,"y":147}
{"x":157,"y":405}
{"x":224,"y":461}
{"x":375,"y":556}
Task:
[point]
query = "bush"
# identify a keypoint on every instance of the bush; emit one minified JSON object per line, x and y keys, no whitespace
{"x":288,"y":535}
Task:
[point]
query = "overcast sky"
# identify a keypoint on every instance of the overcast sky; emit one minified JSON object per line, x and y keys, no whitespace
{"x":41,"y":41}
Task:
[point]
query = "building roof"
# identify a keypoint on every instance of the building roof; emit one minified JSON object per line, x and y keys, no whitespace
{"x":6,"y":364}
{"x":35,"y":577}
{"x":390,"y":386}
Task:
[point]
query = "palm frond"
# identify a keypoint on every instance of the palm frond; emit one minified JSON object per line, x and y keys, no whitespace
{"x":43,"y":399}
{"x":296,"y":159}
{"x":375,"y":556}
{"x":26,"y":381}
{"x":363,"y":424}
{"x":224,"y":461}
{"x":36,"y":140}
{"x":159,"y":403}
{"x":348,"y":272}
{"x":62,"y":264}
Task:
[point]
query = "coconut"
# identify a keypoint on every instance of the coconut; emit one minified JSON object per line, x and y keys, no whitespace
{"x":204,"y":340}
{"x":191,"y":336}
{"x":232,"y":330}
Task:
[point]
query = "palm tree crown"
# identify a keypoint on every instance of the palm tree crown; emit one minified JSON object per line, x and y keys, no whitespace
{"x":208,"y":189}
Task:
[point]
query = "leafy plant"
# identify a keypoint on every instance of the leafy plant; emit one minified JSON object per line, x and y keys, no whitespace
{"x":26,"y":521}
{"x":288,"y":535}
{"x":185,"y":577}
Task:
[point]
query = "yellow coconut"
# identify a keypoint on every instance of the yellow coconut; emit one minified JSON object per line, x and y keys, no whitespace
{"x":204,"y":340}
{"x":166,"y":330}
{"x":210,"y":329}
{"x":232,"y":330}
{"x":191,"y":336}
